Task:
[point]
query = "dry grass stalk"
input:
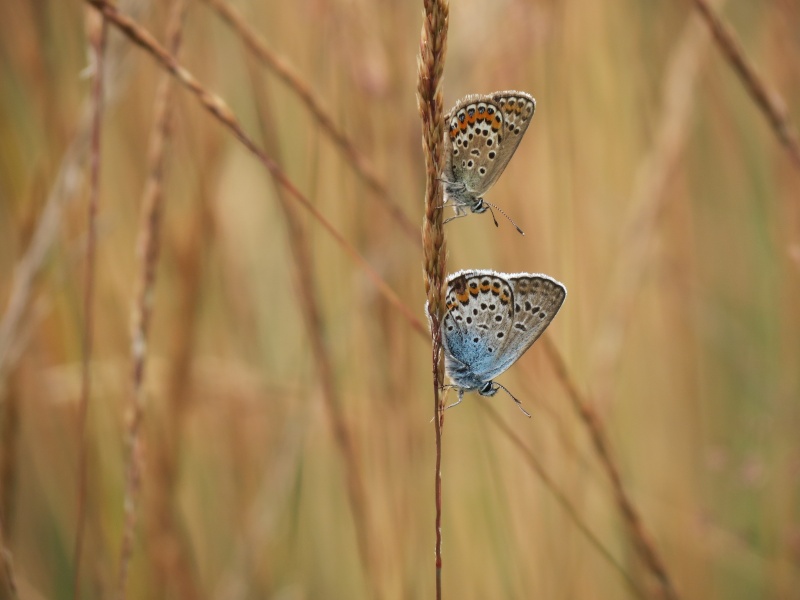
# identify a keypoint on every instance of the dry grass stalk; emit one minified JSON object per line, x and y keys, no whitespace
{"x":220,"y":110}
{"x":97,"y":34}
{"x":648,"y":200}
{"x":306,"y":290}
{"x":7,"y":577}
{"x":289,"y":76}
{"x":67,"y":182}
{"x":768,"y":100}
{"x":10,"y":434}
{"x":561,"y":498}
{"x":430,"y":67}
{"x":148,"y":252}
{"x":10,"y":422}
{"x":630,"y":514}
{"x":66,"y":185}
{"x":169,"y":549}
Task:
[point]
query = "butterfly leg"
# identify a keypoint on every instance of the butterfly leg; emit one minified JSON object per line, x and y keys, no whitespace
{"x":453,"y":218}
{"x":460,"y":398}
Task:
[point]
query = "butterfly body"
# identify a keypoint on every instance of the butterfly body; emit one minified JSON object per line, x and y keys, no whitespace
{"x":483,"y":134}
{"x":491,"y":320}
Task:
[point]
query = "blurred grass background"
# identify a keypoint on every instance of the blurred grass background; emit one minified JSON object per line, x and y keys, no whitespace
{"x":649,"y":183}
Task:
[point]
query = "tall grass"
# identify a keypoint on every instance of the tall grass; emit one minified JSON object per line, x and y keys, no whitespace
{"x":285,"y":435}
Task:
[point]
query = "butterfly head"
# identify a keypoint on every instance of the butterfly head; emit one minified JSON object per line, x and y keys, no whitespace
{"x":489,"y":389}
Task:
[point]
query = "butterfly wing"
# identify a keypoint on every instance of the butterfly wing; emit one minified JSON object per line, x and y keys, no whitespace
{"x":536,"y":301}
{"x":484,"y":132}
{"x":479,"y":313}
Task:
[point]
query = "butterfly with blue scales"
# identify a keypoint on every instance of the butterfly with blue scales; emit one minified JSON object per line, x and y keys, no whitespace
{"x":491,"y":320}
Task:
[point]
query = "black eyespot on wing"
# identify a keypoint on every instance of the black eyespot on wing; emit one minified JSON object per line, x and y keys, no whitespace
{"x":542,"y":315}
{"x":492,"y":154}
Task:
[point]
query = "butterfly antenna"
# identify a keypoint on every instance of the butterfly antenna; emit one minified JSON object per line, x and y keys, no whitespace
{"x":513,"y":397}
{"x":502,"y":212}
{"x":489,"y":206}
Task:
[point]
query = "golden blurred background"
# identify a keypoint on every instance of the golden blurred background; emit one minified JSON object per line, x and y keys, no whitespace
{"x":286,"y":444}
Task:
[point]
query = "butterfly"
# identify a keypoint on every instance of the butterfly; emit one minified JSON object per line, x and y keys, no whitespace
{"x":491,"y":320}
{"x":483,"y":133}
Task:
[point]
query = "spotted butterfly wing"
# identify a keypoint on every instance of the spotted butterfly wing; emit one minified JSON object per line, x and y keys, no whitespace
{"x":484,"y":132}
{"x":537,"y":300}
{"x":492,"y":319}
{"x":479,"y":308}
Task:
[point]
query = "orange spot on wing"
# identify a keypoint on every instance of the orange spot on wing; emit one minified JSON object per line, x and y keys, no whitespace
{"x":463,"y":298}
